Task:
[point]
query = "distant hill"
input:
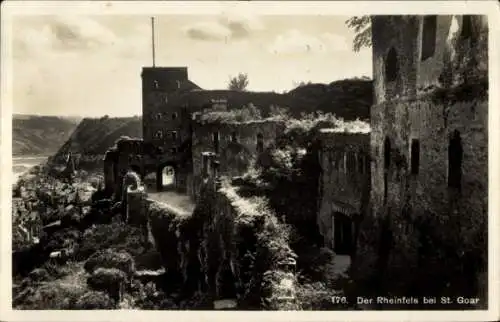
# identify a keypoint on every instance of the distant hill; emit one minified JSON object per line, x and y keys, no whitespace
{"x":40,"y":135}
{"x":348,"y":98}
{"x":94,"y":136}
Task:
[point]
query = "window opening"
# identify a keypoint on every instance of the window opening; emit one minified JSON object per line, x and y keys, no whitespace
{"x":455,"y":156}
{"x":234,"y":137}
{"x":391,"y":66}
{"x":215,"y":139}
{"x":415,"y":156}
{"x":260,"y":142}
{"x":429,"y":37}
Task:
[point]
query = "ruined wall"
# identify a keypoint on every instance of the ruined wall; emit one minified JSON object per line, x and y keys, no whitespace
{"x":400,"y":33}
{"x":426,"y":193}
{"x":237,"y":144}
{"x":428,"y":51}
{"x":345,"y":175}
{"x":227,"y":249}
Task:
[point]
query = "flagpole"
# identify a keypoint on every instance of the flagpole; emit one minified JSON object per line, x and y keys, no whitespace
{"x":153,"y":38}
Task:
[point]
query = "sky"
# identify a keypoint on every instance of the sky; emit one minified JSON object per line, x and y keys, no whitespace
{"x":90,"y":65}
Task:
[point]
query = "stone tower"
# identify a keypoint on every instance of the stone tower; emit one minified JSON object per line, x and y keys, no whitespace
{"x":159,"y":121}
{"x":429,"y":122}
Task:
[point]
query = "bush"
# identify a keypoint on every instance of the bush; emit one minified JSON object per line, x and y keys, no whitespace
{"x":150,"y":298}
{"x":244,"y":114}
{"x":317,"y":296}
{"x":116,"y":235}
{"x":112,"y":259}
{"x":39,"y":274}
{"x":48,"y":296}
{"x":65,"y":238}
{"x":94,"y":301}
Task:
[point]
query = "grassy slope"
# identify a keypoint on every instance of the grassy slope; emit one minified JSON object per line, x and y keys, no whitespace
{"x":40,"y":135}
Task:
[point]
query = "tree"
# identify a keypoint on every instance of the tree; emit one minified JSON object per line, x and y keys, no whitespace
{"x":238,"y":83}
{"x":363,"y":29}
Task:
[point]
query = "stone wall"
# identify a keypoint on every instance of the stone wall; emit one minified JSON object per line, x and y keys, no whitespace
{"x":426,"y":192}
{"x":429,"y":143}
{"x":345,"y":175}
{"x":237,"y":144}
{"x":229,"y":248}
{"x":420,"y":64}
{"x":126,"y":154}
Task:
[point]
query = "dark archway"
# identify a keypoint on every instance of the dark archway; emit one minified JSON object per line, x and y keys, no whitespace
{"x":455,"y":157}
{"x":343,"y":234}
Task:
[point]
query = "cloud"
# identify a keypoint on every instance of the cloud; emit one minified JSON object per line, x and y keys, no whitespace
{"x":208,"y":31}
{"x":61,"y":34}
{"x":228,"y":26}
{"x":296,"y":42}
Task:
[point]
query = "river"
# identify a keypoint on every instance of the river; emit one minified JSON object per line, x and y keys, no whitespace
{"x":21,"y":164}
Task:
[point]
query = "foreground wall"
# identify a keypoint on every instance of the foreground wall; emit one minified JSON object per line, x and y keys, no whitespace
{"x":229,"y":248}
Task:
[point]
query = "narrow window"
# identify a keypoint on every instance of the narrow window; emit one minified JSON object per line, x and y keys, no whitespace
{"x":455,"y":155}
{"x":178,"y":84}
{"x":415,"y":156}
{"x":155,"y":84}
{"x":174,"y":135}
{"x":234,"y":137}
{"x":429,"y":37}
{"x":260,"y":142}
{"x":351,"y":161}
{"x":174,"y":116}
{"x":159,"y":134}
{"x":387,"y":153}
{"x":166,"y":99}
{"x":158,"y":116}
{"x":215,"y":139}
{"x":466,"y":27}
{"x":361,"y":163}
{"x":391,"y":66}
{"x":387,"y":164}
{"x":204,"y":161}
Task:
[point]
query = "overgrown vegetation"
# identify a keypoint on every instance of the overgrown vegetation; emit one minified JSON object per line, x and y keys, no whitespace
{"x":291,"y":168}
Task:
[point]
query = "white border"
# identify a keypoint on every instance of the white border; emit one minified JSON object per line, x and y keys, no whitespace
{"x":10,"y":8}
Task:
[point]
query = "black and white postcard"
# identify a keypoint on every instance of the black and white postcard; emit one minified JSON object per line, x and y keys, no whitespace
{"x":172,"y":160}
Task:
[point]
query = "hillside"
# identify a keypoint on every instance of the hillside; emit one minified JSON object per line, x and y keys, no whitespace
{"x":94,"y":136}
{"x":348,"y":98}
{"x":40,"y":135}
